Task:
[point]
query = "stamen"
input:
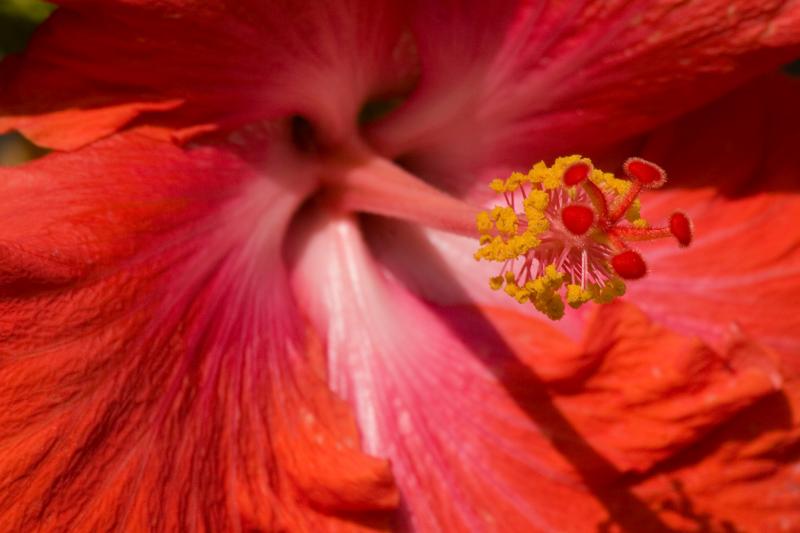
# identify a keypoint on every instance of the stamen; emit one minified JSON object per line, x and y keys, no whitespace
{"x":564,"y":230}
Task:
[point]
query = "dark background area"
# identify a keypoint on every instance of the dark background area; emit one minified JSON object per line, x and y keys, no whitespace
{"x":18,"y":19}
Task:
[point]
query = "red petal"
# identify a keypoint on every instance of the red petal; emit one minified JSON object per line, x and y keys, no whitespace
{"x":734,"y":167}
{"x":513,"y":83}
{"x":652,"y":392}
{"x":744,"y":474}
{"x":156,"y":374}
{"x":223,"y":65}
{"x":707,"y":430}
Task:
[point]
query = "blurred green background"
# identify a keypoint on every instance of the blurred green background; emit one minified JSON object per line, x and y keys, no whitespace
{"x":18,"y":19}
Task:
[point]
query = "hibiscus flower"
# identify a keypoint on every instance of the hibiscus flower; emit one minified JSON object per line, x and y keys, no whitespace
{"x":241,"y":294}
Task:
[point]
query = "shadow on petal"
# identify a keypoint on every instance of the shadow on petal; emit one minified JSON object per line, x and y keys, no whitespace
{"x":531,"y":395}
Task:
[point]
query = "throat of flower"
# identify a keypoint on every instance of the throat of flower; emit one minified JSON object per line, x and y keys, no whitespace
{"x":358,"y":180}
{"x":564,"y":232}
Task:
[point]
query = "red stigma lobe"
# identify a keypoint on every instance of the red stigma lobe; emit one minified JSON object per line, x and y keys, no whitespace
{"x":577,"y":218}
{"x":645,"y":173}
{"x":629,"y":265}
{"x":681,"y":227}
{"x":576,"y":173}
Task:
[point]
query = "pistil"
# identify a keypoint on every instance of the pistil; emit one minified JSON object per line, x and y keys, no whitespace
{"x":359,"y":180}
{"x":570,"y":238}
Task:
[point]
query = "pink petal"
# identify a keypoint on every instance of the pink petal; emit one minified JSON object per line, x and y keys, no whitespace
{"x":97,"y":65}
{"x":157,"y":374}
{"x":492,"y":420}
{"x":439,"y":267}
{"x":515,"y":82}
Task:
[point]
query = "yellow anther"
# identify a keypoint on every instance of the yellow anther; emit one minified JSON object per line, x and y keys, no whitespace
{"x":537,"y":223}
{"x":496,"y":282}
{"x":537,"y":285}
{"x":530,"y":240}
{"x":538,"y":172}
{"x":511,"y":288}
{"x":610,"y":182}
{"x":542,"y":292}
{"x":613,"y":288}
{"x":561,"y":163}
{"x":506,"y":220}
{"x":497,"y":185}
{"x":552,"y":275}
{"x":514,"y":247}
{"x":551,"y":305}
{"x":617,"y":286}
{"x":537,"y":200}
{"x":555,"y":308}
{"x":484,"y":222}
{"x":514,"y":181}
{"x":491,"y":250}
{"x":634,"y":211}
{"x":552,"y":181}
{"x":640,"y":223}
{"x":577,"y":296}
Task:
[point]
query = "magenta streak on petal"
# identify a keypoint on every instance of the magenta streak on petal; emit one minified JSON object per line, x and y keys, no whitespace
{"x":520,"y":78}
{"x":218,"y":266}
{"x":372,"y":184}
{"x":421,"y":398}
{"x":520,"y":74}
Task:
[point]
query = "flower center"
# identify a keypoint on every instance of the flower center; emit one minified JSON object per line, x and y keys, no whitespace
{"x":561,"y":234}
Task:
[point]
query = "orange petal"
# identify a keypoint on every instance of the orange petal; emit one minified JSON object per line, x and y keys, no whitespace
{"x":157,"y":374}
